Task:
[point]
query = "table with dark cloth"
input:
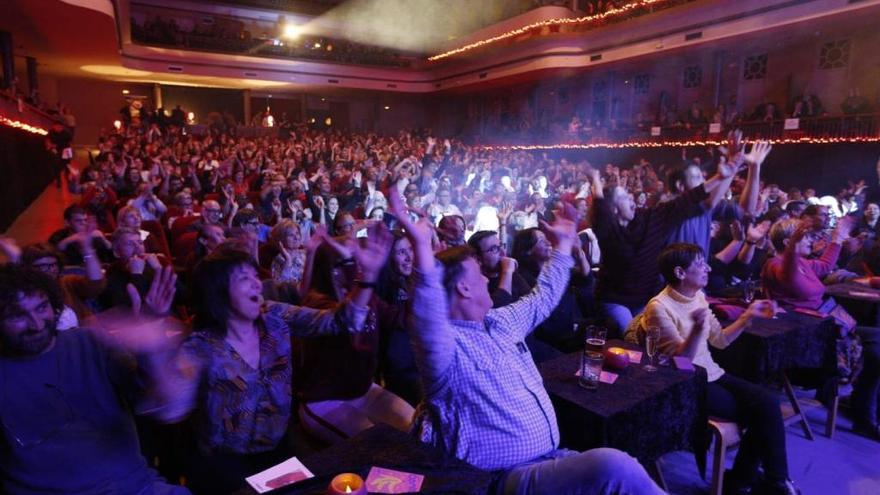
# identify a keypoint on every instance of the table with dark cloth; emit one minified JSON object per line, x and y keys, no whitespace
{"x":389,"y":448}
{"x":859,"y":300}
{"x":643,"y":414}
{"x":772,"y":345}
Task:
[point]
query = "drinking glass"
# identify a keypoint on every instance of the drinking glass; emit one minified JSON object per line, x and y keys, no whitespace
{"x":651,"y":337}
{"x":591,"y":368}
{"x":596,"y":338}
{"x":748,"y":291}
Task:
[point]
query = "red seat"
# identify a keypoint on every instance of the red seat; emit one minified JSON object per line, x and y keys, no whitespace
{"x":157,"y":234}
{"x":183,"y":246}
{"x":181,"y":225}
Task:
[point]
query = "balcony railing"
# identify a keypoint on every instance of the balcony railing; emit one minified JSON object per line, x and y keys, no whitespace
{"x":844,"y":128}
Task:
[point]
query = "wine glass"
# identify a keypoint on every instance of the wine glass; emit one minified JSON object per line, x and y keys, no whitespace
{"x":651,"y":337}
{"x":748,"y":291}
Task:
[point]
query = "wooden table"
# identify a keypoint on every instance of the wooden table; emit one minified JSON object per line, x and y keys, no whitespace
{"x":859,"y":300}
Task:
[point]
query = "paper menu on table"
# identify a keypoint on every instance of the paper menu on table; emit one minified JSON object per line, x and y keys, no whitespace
{"x":289,"y":471}
{"x":381,"y":480}
{"x":634,"y":356}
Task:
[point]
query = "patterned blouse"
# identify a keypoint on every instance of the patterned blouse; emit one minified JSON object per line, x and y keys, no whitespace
{"x":245,"y":410}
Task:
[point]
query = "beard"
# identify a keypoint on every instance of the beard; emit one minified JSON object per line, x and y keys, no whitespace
{"x":30,"y":342}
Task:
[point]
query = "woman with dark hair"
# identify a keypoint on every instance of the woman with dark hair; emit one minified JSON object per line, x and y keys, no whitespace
{"x":397,"y":366}
{"x":680,"y":319}
{"x":333,"y":375}
{"x":237,"y":364}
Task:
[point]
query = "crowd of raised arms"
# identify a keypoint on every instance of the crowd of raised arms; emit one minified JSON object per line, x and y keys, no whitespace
{"x":257,"y":280}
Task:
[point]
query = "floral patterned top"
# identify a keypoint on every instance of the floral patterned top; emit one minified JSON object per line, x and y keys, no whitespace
{"x":245,"y":410}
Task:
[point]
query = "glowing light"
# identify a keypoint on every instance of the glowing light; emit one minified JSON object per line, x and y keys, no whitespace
{"x":312,"y":120}
{"x":674,"y":144}
{"x":191,"y":118}
{"x":292,"y":31}
{"x":549,"y":22}
{"x":17,"y":124}
{"x":114,"y":70}
{"x":316,"y":45}
{"x":328,"y":121}
{"x":125,"y":91}
{"x":117,"y":124}
{"x":387,"y":107}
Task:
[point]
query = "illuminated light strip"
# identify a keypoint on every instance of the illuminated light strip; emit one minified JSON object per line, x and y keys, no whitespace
{"x":540,"y":24}
{"x":17,"y":124}
{"x":674,"y":144}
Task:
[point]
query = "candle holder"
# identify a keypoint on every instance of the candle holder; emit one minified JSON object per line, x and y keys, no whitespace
{"x":347,"y":484}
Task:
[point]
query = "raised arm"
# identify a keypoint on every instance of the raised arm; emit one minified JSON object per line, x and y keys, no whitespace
{"x":521,"y":317}
{"x":754,"y":158}
{"x":432,"y":338}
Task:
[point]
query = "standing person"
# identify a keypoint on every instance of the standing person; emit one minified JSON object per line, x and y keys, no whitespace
{"x":631,"y":240}
{"x":59,"y":142}
{"x":685,"y":327}
{"x":484,"y":400}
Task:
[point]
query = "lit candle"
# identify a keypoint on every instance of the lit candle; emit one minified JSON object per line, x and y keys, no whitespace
{"x":346,"y":483}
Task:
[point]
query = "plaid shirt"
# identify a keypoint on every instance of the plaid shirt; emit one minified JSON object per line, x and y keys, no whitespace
{"x":485,"y":401}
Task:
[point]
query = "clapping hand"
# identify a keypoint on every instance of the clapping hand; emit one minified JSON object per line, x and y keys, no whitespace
{"x":373,"y":251}
{"x":563,"y":231}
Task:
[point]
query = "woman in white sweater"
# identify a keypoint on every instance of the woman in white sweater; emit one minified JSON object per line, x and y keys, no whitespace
{"x":685,"y":326}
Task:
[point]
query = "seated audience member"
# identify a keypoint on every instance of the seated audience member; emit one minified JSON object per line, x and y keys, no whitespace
{"x":333,"y":375}
{"x":76,"y":221}
{"x":65,"y":426}
{"x":443,"y":206}
{"x":451,"y":231}
{"x":489,"y":408}
{"x":397,"y":366}
{"x":506,"y":285}
{"x":736,"y":261}
{"x":867,"y":226}
{"x":237,"y":364}
{"x":132,"y":266}
{"x":147,"y":204}
{"x":78,"y":290}
{"x":685,"y":326}
{"x":248,"y":219}
{"x":631,"y":240}
{"x":130,"y":217}
{"x":532,"y":250}
{"x":98,"y":201}
{"x":288,"y":264}
{"x":795,"y":280}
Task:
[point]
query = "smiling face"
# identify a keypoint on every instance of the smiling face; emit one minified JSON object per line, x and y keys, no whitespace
{"x":402,"y":257}
{"x":624,"y":204}
{"x":28,"y":327}
{"x":872,"y":212}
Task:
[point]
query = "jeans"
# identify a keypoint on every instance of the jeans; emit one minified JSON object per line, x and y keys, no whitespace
{"x":617,"y":317}
{"x":596,"y":471}
{"x":867,"y":384}
{"x":756,"y":409}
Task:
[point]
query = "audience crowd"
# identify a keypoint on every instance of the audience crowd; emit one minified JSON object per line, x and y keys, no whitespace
{"x":340,"y":280}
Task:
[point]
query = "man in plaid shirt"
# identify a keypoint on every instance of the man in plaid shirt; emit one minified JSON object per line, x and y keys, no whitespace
{"x":485,"y":402}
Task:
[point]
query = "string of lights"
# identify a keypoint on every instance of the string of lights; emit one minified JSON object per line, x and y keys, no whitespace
{"x":549,"y":22}
{"x":17,"y":124}
{"x":673,"y":144}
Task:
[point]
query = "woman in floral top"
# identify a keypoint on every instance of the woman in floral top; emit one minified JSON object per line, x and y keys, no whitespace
{"x":236,"y":367}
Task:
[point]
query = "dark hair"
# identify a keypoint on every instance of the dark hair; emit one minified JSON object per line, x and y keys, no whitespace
{"x":477,"y":237}
{"x":523,"y":242}
{"x":389,"y":279}
{"x":210,"y":287}
{"x":72,"y":210}
{"x":244,"y":216}
{"x":813,"y":209}
{"x":792,"y":205}
{"x":680,"y":254}
{"x":20,"y":279}
{"x":453,"y":265}
{"x":38,"y":251}
{"x":675,"y":176}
